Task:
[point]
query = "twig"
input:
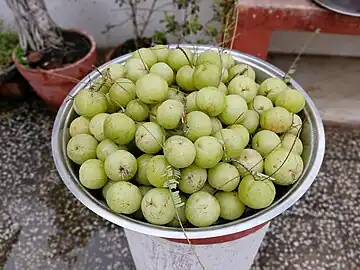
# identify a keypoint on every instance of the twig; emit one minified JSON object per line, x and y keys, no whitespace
{"x":292,"y":68}
{"x":236,"y":24}
{"x":150,"y":13}
{"x":133,"y":8}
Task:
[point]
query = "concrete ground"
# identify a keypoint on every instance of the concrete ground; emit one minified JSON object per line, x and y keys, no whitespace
{"x":43,"y":226}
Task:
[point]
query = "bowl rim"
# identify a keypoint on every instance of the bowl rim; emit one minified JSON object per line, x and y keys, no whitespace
{"x":293,"y":195}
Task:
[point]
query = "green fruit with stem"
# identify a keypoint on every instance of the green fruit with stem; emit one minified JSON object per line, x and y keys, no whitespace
{"x":224,"y":75}
{"x":184,"y":78}
{"x":292,"y":142}
{"x":102,"y":83}
{"x":222,"y":88}
{"x":169,"y":113}
{"x":146,"y":55}
{"x":284,"y":166}
{"x":89,"y":103}
{"x":241,"y":70}
{"x":156,"y":171}
{"x":206,"y":75}
{"x":249,"y":161}
{"x":234,"y":111}
{"x":256,"y":194}
{"x":79,"y":125}
{"x":251,"y":121}
{"x":231,"y":207}
{"x":272,"y":87}
{"x":242,"y":133}
{"x":291,"y":99}
{"x":164,"y":71}
{"x":153,"y":112}
{"x":233,"y":143}
{"x":96,"y":126}
{"x":120,"y":165}
{"x":112,"y":106}
{"x":179,"y":57}
{"x":81,"y":147}
{"x":209,"y":152}
{"x":243,"y":86}
{"x":151,"y":89}
{"x":122,"y":92}
{"x":210,"y":101}
{"x":149,"y":138}
{"x":179,"y":151}
{"x":227,"y":60}
{"x":105,"y":189}
{"x":208,"y":188}
{"x":120,"y":128}
{"x":202,"y":209}
{"x":181,"y":213}
{"x":216,"y":125}
{"x":193,"y":179}
{"x":105,"y":148}
{"x":296,"y":125}
{"x":138,"y":124}
{"x":135,"y":69}
{"x":260,"y":104}
{"x":92,"y":174}
{"x":158,"y":207}
{"x":197,"y":124}
{"x":141,"y":176}
{"x":137,"y":110}
{"x":114,"y":71}
{"x":276,"y":119}
{"x":224,"y":176}
{"x":265,"y":141}
{"x":161,"y":52}
{"x":143,"y":189}
{"x":123,"y":198}
{"x":191,"y":102}
{"x":194,"y":58}
{"x":209,"y":57}
{"x":176,"y":94}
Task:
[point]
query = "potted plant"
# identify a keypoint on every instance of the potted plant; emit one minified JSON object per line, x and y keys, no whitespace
{"x":139,"y":27}
{"x":8,"y":42}
{"x":51,"y":59}
{"x":12,"y":85}
{"x":218,"y":30}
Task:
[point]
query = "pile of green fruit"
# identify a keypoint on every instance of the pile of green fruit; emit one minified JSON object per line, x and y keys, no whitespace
{"x":199,"y":120}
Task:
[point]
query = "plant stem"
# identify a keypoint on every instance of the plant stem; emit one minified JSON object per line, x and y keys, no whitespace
{"x":150,"y":13}
{"x":133,"y":8}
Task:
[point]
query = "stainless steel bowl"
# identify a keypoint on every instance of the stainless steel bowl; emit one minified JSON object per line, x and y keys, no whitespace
{"x":314,"y":146}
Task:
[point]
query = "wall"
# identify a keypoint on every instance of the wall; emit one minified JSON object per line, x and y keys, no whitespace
{"x":94,"y":15}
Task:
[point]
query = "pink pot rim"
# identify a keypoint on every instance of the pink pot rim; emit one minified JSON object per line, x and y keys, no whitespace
{"x":110,"y":53}
{"x":70,"y":66}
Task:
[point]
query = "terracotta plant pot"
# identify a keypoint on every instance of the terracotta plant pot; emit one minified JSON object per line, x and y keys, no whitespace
{"x":53,"y":89}
{"x":110,"y":54}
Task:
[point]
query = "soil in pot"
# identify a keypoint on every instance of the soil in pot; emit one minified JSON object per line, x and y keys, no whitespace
{"x":52,"y":75}
{"x":76,"y":46}
{"x":130,"y":45}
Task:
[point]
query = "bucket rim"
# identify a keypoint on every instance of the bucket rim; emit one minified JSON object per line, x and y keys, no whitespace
{"x":311,"y":169}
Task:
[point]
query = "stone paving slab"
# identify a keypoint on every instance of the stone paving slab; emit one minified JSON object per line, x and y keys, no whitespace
{"x":43,"y":226}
